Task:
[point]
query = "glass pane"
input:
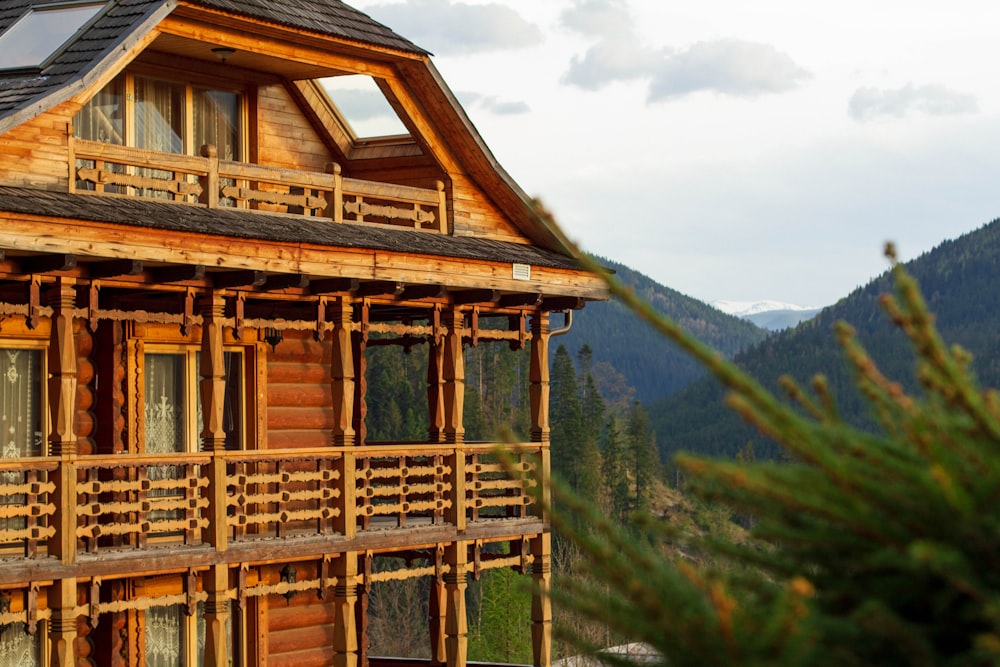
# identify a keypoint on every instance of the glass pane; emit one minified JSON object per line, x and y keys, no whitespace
{"x":216,"y":122}
{"x":159,"y":115}
{"x":18,"y":647}
{"x":164,"y":410}
{"x":362,"y":104}
{"x":102,"y":119}
{"x":41,"y":32}
{"x":20,"y":410}
{"x":163,"y":635}
{"x":232,"y":409}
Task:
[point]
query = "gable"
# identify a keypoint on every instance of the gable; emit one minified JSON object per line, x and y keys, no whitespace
{"x":275,"y":53}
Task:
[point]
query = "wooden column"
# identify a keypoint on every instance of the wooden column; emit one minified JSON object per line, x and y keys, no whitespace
{"x":453,"y":373}
{"x":538,"y":391}
{"x":541,"y":603}
{"x":63,"y":443}
{"x":212,"y":386}
{"x":456,"y":620}
{"x":437,"y":604}
{"x":359,"y":343}
{"x":342,"y":376}
{"x":345,"y":597}
{"x":217,"y":612}
{"x":435,"y":391}
{"x":62,"y":625}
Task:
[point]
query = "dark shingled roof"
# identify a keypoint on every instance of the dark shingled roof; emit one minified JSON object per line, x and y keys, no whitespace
{"x":123,"y":18}
{"x":243,"y":224}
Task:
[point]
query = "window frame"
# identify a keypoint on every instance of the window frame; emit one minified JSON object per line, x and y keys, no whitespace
{"x":57,"y":50}
{"x":190,"y":84}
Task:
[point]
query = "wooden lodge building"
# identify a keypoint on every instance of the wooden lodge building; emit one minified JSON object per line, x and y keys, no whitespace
{"x":197,"y":249}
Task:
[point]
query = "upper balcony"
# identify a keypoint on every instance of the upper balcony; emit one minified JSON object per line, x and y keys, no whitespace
{"x":75,"y":513}
{"x":206,"y":180}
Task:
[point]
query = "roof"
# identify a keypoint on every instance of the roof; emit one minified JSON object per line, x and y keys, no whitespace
{"x":125,"y":21}
{"x":254,"y":225}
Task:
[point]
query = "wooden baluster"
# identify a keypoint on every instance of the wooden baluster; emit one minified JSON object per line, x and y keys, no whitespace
{"x":435,"y":388}
{"x":453,"y":374}
{"x":359,"y":343}
{"x":31,"y":500}
{"x":437,"y":604}
{"x":538,"y":391}
{"x":216,"y":584}
{"x":62,"y":600}
{"x":442,"y":209}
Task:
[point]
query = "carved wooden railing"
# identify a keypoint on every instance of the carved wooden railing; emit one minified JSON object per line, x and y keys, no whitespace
{"x":128,"y":502}
{"x":111,"y":169}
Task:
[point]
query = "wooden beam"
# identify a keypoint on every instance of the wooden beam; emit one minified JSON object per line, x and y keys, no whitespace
{"x":524,"y":299}
{"x":330,"y":285}
{"x":563,"y":303}
{"x":380,"y":288}
{"x":227,"y":279}
{"x":47,"y":263}
{"x":179,"y":273}
{"x":417,"y":292}
{"x":466,"y":297}
{"x":280,"y":281}
{"x":115,"y":267}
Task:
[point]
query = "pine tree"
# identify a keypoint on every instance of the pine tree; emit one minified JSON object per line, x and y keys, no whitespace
{"x":575,"y":455}
{"x":872,"y":547}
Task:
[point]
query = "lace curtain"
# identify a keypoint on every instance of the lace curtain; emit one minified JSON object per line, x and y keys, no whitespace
{"x":20,"y":418}
{"x":167,"y":636}
{"x":18,"y":647}
{"x":216,"y":121}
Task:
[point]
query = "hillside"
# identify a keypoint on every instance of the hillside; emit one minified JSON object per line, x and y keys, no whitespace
{"x":645,"y":360}
{"x":960,"y":280}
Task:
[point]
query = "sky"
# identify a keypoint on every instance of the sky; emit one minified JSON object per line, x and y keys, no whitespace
{"x":728,"y":149}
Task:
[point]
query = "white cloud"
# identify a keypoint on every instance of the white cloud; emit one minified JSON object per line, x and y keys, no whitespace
{"x":599,"y":18}
{"x":611,"y":60}
{"x":931,"y":99}
{"x":729,"y":67}
{"x":447,"y":27}
{"x":493,"y":104}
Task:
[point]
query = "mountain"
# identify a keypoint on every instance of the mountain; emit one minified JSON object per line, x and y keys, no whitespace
{"x":627,"y":352}
{"x":960,"y":279}
{"x":770,"y":315}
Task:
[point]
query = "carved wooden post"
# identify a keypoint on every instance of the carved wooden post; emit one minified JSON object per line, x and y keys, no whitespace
{"x":456,"y":621}
{"x":343,"y":385}
{"x":345,"y":597}
{"x":435,"y":391}
{"x":453,"y":373}
{"x":538,"y":391}
{"x":63,"y":443}
{"x":541,"y":603}
{"x":359,"y":341}
{"x":437,"y":604}
{"x":213,"y":439}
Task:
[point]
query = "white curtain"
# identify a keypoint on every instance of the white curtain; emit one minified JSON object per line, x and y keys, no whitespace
{"x":216,"y":121}
{"x":18,"y":647}
{"x":20,"y":418}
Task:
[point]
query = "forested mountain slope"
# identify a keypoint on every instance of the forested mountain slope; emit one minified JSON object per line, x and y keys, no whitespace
{"x":621,"y":342}
{"x":961,"y":281}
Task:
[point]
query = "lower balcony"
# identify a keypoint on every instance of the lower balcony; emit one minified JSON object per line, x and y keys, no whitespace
{"x":126,"y":513}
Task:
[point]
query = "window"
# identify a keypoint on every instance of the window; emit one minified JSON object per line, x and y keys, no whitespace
{"x":161,"y":115}
{"x":41,"y":32}
{"x":363,"y":106}
{"x":173,"y":404}
{"x":174,"y":639}
{"x":18,"y":648}
{"x":21,"y":405}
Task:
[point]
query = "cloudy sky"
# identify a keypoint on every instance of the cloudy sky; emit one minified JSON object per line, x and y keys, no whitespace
{"x":731,"y":149}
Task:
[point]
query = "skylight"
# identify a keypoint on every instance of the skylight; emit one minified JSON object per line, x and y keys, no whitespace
{"x":363,"y":106}
{"x":41,"y":32}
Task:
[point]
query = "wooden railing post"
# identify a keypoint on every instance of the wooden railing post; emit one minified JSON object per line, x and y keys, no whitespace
{"x":335,"y":208}
{"x":210,"y":181}
{"x":435,"y":382}
{"x":442,"y":211}
{"x":344,"y":387}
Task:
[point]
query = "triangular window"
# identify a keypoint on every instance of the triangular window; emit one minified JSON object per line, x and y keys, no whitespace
{"x":41,"y":32}
{"x":363,"y":107}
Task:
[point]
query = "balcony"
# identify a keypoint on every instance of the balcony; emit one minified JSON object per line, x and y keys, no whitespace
{"x":229,"y":506}
{"x":108,"y":169}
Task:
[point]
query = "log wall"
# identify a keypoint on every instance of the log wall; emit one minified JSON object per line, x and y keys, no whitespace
{"x":299,"y":398}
